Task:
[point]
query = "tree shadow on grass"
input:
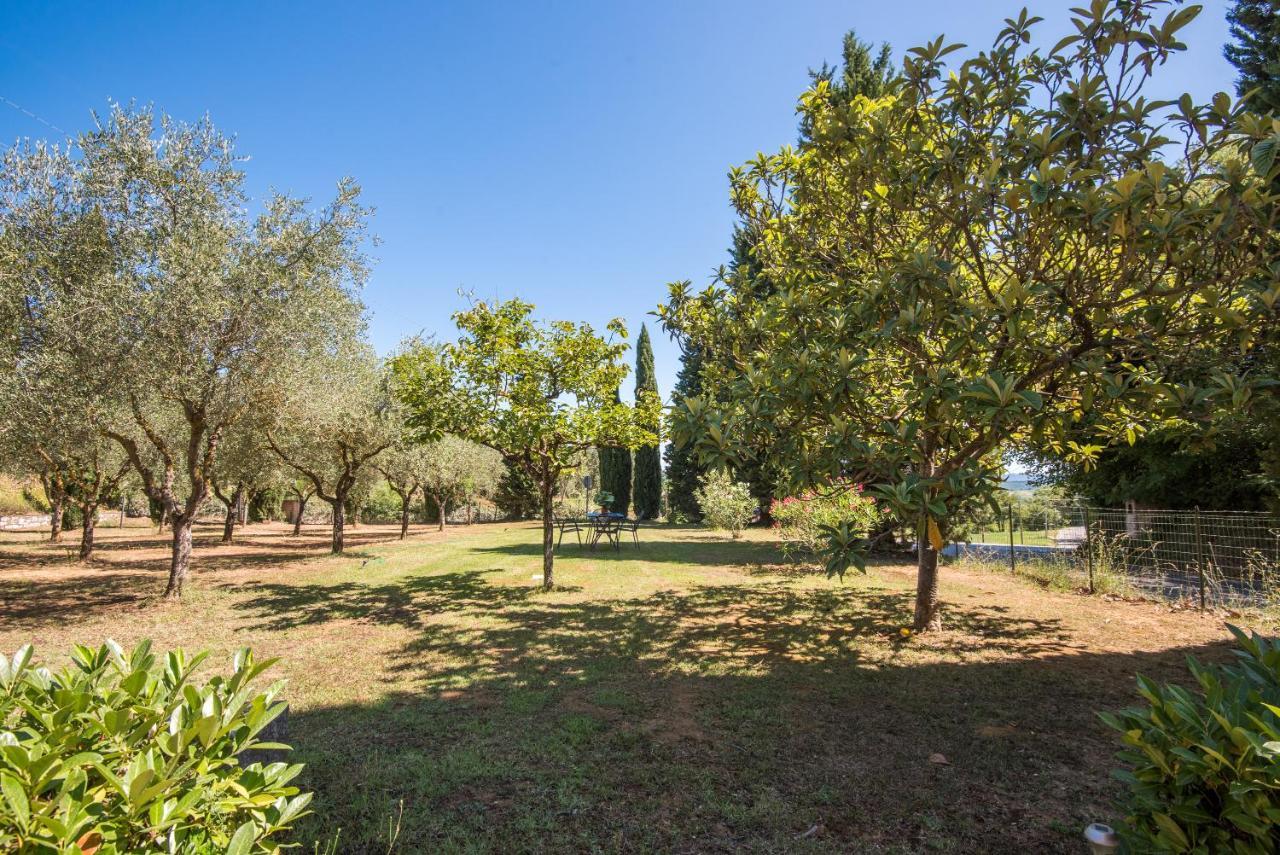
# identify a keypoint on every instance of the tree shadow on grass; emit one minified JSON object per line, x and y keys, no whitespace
{"x":654,"y":548}
{"x":117,"y":577}
{"x":726,"y":718}
{"x":30,"y":604}
{"x":719,"y":718}
{"x":407,"y":603}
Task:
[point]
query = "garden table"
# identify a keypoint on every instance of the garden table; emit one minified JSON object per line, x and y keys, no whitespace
{"x":607,"y":526}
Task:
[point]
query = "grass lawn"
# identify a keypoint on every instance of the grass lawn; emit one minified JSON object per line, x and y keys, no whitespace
{"x":1021,"y":536}
{"x":693,"y":696}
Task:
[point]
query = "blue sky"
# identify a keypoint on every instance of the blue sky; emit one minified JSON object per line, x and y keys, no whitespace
{"x":573,"y":154}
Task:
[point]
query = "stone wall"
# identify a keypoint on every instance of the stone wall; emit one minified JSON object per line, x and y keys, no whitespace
{"x":20,"y":522}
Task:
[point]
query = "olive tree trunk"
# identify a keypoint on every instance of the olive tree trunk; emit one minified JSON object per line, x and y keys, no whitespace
{"x":442,"y":508}
{"x":339,"y":521}
{"x":55,"y":517}
{"x":297,"y":521}
{"x":180,"y":559}
{"x":405,"y":501}
{"x":89,"y":511}
{"x":233,"y":515}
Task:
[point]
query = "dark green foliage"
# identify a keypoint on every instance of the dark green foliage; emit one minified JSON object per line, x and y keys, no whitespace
{"x":859,"y":73}
{"x":1255,"y":52}
{"x":684,"y":473}
{"x":1161,"y":471}
{"x":118,"y":752}
{"x":1203,"y":768}
{"x":615,"y":474}
{"x":647,"y":478}
{"x":517,"y":494}
{"x":381,"y":505}
{"x":265,"y":505}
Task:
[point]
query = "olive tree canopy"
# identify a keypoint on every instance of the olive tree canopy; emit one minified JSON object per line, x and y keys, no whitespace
{"x":198,"y":308}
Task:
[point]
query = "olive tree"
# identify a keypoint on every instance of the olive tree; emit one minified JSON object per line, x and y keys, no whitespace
{"x":454,"y":470}
{"x":982,"y":256}
{"x":211,"y":304}
{"x":402,"y":466}
{"x":245,"y":465}
{"x":538,"y":394}
{"x":335,"y":419}
{"x":56,"y":256}
{"x":302,"y":490}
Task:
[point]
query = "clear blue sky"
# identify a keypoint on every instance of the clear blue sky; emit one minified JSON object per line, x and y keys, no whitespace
{"x":573,"y":154}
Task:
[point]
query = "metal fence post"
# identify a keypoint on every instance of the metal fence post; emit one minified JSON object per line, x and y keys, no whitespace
{"x":1088,"y":547}
{"x":1200,"y":557}
{"x":1013,"y":563}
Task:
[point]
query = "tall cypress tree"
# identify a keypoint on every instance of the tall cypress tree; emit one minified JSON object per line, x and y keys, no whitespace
{"x":647,"y":492}
{"x":1255,"y":27}
{"x":683,"y":469}
{"x":862,"y":71}
{"x":615,"y":474}
{"x":859,"y":73}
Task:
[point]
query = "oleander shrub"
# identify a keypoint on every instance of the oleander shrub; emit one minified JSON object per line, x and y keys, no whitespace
{"x":1203,"y":766}
{"x":726,"y":504}
{"x":804,"y":522}
{"x":119,"y":753}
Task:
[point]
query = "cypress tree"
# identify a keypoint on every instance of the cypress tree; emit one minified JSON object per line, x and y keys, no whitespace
{"x":862,"y":71}
{"x":683,"y":469}
{"x":647,"y":490}
{"x":859,"y":73}
{"x":615,"y":474}
{"x":1255,"y":52}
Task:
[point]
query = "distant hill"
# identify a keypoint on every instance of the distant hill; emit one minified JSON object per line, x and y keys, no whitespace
{"x":1017,"y":483}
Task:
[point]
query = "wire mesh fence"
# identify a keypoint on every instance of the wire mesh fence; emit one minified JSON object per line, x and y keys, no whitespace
{"x":1206,"y":558}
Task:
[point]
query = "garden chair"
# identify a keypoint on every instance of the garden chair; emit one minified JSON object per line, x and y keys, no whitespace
{"x":568,"y":524}
{"x":606,"y":528}
{"x":631,"y":527}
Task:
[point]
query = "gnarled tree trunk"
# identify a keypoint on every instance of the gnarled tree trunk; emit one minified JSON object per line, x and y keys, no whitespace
{"x":233,"y":515}
{"x":442,"y":508}
{"x":339,"y":522}
{"x":89,"y":511}
{"x":180,"y":560}
{"x":56,"y":506}
{"x":404,"y":514}
{"x":297,"y":521}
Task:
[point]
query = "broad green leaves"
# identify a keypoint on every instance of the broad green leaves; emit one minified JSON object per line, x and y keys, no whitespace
{"x":990,"y":253}
{"x":1203,"y":767}
{"x":538,"y":394}
{"x":125,"y":753}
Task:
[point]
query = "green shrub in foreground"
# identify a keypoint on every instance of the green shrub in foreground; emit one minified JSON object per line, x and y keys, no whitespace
{"x":113,"y":754}
{"x":1204,"y":767}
